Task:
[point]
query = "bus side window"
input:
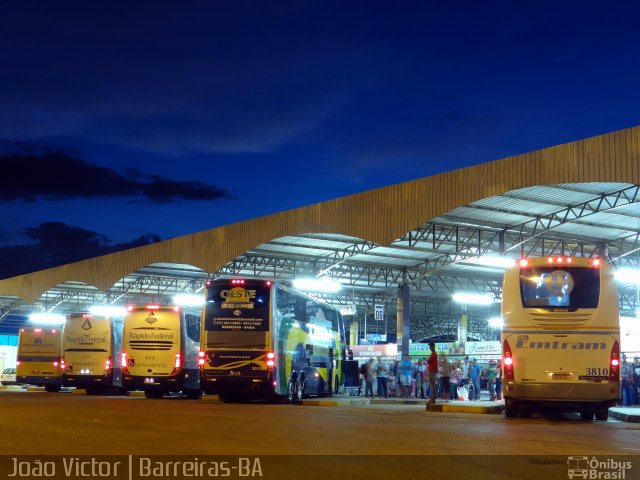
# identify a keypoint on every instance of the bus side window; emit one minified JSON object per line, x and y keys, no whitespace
{"x":332,"y":316}
{"x":285,"y":302}
{"x":309,"y":349}
{"x":193,"y":327}
{"x":301,"y":309}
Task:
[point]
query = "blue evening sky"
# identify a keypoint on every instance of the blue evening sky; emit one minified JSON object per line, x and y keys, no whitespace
{"x":124,"y":122}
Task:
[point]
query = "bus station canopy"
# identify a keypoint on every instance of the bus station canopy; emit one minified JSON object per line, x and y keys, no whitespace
{"x":440,"y":235}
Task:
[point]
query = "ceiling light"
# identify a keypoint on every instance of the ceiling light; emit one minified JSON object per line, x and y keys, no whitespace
{"x":628,"y":275}
{"x":496,"y":322}
{"x":473,"y":299}
{"x":316,"y":285}
{"x":491,"y":261}
{"x":47,"y":318}
{"x":186,"y":300}
{"x":108,"y":311}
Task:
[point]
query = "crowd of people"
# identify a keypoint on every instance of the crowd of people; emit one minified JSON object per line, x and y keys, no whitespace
{"x":630,"y":384}
{"x":432,"y":377}
{"x":439,"y":377}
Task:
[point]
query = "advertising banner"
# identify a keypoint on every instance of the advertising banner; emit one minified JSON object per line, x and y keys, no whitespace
{"x":374,"y":351}
{"x":483,"y":348}
{"x":442,"y":348}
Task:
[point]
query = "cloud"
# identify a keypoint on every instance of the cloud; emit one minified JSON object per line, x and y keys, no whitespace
{"x":58,"y":244}
{"x":57,"y":175}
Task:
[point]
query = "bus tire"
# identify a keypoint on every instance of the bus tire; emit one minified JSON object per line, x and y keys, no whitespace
{"x":275,"y":398}
{"x":52,"y":388}
{"x":194,"y":395}
{"x":291,"y":390}
{"x":300,"y":384}
{"x":510,"y":408}
{"x":586,"y":414}
{"x":93,"y":390}
{"x":602,"y":413}
{"x":524,"y":410}
{"x":153,"y":393}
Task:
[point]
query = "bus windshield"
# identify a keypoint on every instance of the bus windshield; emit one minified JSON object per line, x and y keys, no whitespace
{"x":238,"y":314}
{"x":560,"y":287}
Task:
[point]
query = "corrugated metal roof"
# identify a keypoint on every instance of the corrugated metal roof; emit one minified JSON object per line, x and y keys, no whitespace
{"x":442,"y":254}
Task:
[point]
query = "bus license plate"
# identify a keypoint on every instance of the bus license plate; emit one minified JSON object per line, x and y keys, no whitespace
{"x":561,"y":376}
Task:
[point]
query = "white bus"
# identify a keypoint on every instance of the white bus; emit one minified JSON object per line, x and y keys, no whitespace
{"x":263,"y":339}
{"x":561,"y":336}
{"x":160,"y":346}
{"x":39,"y":358}
{"x":91,"y":346}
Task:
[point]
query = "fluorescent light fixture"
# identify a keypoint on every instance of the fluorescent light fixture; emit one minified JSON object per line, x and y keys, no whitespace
{"x":491,"y":261}
{"x":496,"y":322}
{"x":316,"y":285}
{"x":108,"y":311}
{"x":47,"y":318}
{"x":187,"y":300}
{"x":473,"y":299}
{"x":628,"y":275}
{"x":348,"y":310}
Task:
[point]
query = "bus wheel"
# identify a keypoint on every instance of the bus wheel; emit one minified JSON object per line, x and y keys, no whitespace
{"x":52,"y":388}
{"x":194,"y":395}
{"x":586,"y":414}
{"x":524,"y":410}
{"x":275,"y":398}
{"x":291,"y":390}
{"x":93,"y":390}
{"x":602,"y":413}
{"x":510,"y":408}
{"x":153,"y":393}
{"x":300,"y":384}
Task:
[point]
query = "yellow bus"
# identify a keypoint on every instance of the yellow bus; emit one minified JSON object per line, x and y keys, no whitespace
{"x":160,"y":350}
{"x":561,"y":336}
{"x":91,"y":346}
{"x":265,"y":339}
{"x":39,"y":357}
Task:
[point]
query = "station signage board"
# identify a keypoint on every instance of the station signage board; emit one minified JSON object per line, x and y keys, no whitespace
{"x":374,"y":351}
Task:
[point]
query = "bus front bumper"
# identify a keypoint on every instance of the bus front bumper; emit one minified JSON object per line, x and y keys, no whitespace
{"x":172,"y":383}
{"x":36,"y":380}
{"x":567,"y":393}
{"x":83,"y":381}
{"x":235,"y":383}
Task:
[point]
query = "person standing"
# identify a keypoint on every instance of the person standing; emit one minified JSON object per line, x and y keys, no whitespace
{"x":465,"y":371}
{"x":406,"y":370}
{"x":491,"y":380}
{"x":369,"y":375}
{"x":432,"y":368}
{"x":498,"y":378}
{"x":392,"y":379}
{"x":445,"y":377}
{"x":381,"y":374}
{"x":474,"y":374}
{"x":419,"y":374}
{"x":456,"y":380}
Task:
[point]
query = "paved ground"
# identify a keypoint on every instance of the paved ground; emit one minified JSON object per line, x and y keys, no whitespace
{"x":485,"y":406}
